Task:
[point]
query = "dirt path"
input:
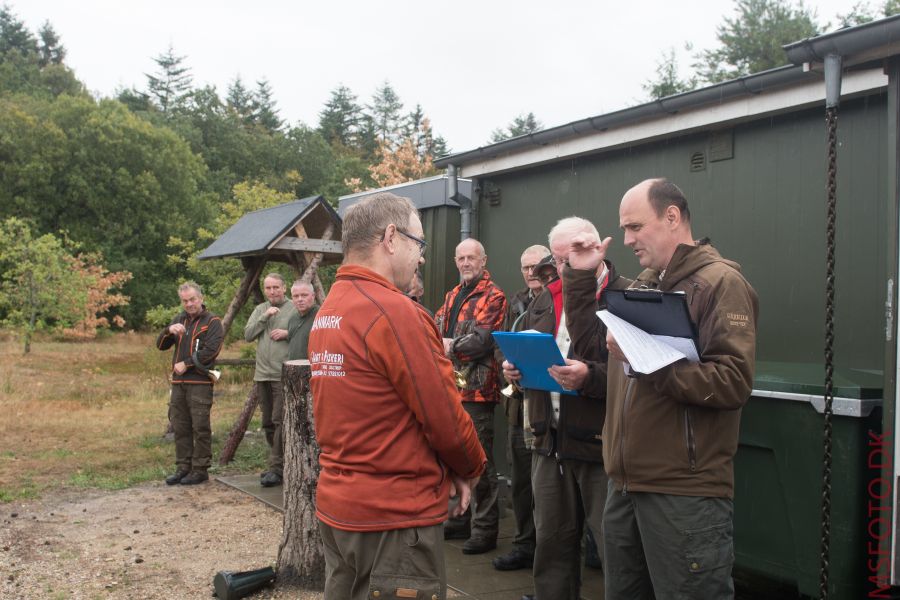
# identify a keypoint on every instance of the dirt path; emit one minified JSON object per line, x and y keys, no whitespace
{"x":152,"y":541}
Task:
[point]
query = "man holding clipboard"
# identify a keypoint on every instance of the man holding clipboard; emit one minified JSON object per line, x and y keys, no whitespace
{"x":671,"y":434}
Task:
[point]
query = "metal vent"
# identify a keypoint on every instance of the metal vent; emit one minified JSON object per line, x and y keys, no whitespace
{"x":491,"y":193}
{"x":698,"y":162}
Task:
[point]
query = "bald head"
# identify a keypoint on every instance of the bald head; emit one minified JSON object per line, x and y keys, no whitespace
{"x":470,"y":260}
{"x":653,"y":233}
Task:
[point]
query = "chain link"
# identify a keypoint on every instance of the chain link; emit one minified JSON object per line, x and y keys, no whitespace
{"x":831,"y":210}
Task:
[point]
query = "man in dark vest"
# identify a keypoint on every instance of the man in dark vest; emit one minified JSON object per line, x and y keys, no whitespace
{"x":197,"y":336}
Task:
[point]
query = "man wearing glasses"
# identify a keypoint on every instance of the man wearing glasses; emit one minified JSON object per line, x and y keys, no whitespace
{"x":522,"y":554}
{"x":395,"y":441}
{"x":471,"y":311}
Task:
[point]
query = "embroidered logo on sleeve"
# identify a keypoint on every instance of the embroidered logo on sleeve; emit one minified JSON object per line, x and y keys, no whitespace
{"x":738,"y":319}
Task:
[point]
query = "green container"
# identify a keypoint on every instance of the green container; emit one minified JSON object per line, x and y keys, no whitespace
{"x":778,"y":478}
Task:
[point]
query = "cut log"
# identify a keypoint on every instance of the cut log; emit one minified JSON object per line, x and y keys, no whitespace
{"x":301,"y":561}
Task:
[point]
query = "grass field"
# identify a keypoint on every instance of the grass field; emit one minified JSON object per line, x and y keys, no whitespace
{"x":94,"y":414}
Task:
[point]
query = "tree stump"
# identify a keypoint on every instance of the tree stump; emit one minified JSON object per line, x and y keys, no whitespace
{"x":300,"y":558}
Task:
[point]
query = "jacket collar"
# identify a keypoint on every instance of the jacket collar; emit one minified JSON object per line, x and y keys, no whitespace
{"x":348,"y":272}
{"x":482,"y":284}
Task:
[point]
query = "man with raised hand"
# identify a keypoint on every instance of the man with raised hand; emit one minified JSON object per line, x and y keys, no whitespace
{"x":671,"y":435}
{"x":567,"y":473}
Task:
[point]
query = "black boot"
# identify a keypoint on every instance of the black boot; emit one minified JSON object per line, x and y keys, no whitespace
{"x":176,"y":477}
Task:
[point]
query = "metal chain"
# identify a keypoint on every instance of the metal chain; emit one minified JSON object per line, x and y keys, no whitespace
{"x":831,"y":129}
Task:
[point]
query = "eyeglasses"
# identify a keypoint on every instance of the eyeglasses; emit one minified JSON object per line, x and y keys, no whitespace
{"x":555,"y":261}
{"x":528,"y":268}
{"x":420,"y":242}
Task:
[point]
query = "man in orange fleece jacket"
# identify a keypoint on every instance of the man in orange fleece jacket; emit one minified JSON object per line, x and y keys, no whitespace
{"x":395,"y":441}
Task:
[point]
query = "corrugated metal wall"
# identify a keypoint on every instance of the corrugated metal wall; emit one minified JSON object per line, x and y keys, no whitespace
{"x":764,"y":208}
{"x":441,"y":228}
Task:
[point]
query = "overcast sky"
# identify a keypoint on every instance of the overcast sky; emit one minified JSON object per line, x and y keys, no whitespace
{"x":472,"y":65}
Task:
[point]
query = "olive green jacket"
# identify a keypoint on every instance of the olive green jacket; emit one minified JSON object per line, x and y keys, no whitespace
{"x":270,"y":354}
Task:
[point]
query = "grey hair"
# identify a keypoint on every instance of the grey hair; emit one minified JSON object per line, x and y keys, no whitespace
{"x":365,"y":222}
{"x":301,"y":283}
{"x":190,"y":285}
{"x":536,"y":249}
{"x":274,"y":275}
{"x":571,"y":226}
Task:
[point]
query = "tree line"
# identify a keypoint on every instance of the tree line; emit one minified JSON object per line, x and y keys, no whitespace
{"x":751,"y":40}
{"x":130,"y":188}
{"x":138,"y":183}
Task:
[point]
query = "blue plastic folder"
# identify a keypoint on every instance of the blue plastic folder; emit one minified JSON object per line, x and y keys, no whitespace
{"x":533,"y":354}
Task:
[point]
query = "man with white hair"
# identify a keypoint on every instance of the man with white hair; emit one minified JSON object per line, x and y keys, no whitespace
{"x":568,"y":477}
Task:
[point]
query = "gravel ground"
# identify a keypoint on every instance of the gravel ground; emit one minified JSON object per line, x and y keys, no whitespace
{"x":149,"y":542}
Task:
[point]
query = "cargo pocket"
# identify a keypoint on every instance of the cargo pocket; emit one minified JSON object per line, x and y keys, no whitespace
{"x":389,"y":587}
{"x":708,"y":558}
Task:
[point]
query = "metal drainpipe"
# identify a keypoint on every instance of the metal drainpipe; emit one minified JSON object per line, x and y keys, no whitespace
{"x":465,"y":204}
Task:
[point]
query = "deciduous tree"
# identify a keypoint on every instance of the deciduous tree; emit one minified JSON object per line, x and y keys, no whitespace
{"x":45,"y":285}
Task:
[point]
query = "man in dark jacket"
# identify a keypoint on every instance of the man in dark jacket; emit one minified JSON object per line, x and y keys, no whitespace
{"x":471,"y":311}
{"x":303,"y":296}
{"x":567,"y":473}
{"x":197,"y":335}
{"x":522,"y":554}
{"x":671,"y":435}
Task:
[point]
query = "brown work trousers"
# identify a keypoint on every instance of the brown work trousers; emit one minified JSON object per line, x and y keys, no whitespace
{"x":189,"y":408}
{"x":399,"y":563}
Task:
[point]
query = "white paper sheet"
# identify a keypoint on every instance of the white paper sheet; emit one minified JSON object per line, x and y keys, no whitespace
{"x":647,"y":353}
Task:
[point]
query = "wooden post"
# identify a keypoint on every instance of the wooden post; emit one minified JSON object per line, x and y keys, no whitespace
{"x":311,"y":274}
{"x":301,"y":561}
{"x":248,"y":283}
{"x":239,"y":427}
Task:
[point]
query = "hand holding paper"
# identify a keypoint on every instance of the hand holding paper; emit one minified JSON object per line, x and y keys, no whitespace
{"x":646,"y":353}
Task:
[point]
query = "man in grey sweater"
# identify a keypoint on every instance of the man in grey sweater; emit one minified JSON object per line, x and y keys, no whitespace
{"x":269,"y":326}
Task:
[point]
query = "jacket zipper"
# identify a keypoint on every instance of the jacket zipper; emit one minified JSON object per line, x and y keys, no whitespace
{"x":690,"y":441}
{"x":622,"y":437}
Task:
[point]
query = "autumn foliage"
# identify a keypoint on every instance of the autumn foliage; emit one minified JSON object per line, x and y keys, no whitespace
{"x":97,"y":299}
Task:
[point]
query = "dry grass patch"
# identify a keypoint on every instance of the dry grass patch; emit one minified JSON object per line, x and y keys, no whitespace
{"x":94,"y":414}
